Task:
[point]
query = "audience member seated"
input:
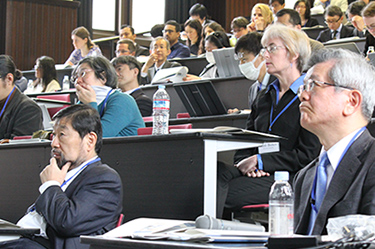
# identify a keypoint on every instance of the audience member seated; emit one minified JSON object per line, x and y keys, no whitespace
{"x":198,"y":11}
{"x":215,"y":40}
{"x":125,"y":47}
{"x":96,"y":80}
{"x":127,"y":32}
{"x":193,"y":30}
{"x":172,"y":34}
{"x":21,"y":84}
{"x":160,"y":49}
{"x":355,"y":18}
{"x":261,"y":17}
{"x":157,"y":30}
{"x":79,"y":194}
{"x":45,"y":73}
{"x":303,"y":9}
{"x":336,"y":30}
{"x":19,"y":115}
{"x":239,"y":28}
{"x":128,"y":70}
{"x":208,"y":29}
{"x":291,"y":18}
{"x":83,"y":46}
{"x":342,"y":4}
{"x":252,"y":64}
{"x":368,"y":15}
{"x":276,"y":5}
{"x":337,"y":102}
{"x":276,"y":111}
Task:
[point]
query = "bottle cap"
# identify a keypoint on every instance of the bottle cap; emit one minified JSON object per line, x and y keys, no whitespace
{"x":161,"y":87}
{"x":281,"y":175}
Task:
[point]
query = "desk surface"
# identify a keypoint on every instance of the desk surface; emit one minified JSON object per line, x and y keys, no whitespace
{"x":99,"y":243}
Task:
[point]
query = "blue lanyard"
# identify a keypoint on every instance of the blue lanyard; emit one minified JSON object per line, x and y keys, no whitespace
{"x":6,"y":101}
{"x":104,"y":103}
{"x":342,"y":155}
{"x":82,"y":168}
{"x":282,"y":111}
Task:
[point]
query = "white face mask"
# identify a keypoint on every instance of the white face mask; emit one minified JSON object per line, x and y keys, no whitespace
{"x":210,"y":57}
{"x":249,"y":71}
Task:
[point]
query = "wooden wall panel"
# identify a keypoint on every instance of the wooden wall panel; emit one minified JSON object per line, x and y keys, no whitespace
{"x":37,"y":27}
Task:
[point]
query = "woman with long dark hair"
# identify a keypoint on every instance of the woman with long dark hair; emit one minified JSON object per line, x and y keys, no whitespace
{"x":45,"y":73}
{"x":193,"y":30}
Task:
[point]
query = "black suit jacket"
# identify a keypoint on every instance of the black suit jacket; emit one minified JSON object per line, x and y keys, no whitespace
{"x":91,"y":205}
{"x":144,"y":103}
{"x":325,"y":35}
{"x":351,"y":190}
{"x":139,"y":50}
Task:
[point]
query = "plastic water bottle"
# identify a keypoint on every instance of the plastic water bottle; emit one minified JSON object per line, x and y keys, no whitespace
{"x":66,"y":83}
{"x":161,"y":103}
{"x":281,"y":209}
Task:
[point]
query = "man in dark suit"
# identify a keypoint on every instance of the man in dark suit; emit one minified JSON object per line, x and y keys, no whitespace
{"x":127,"y":32}
{"x":336,"y":30}
{"x":336,"y":105}
{"x":171,"y":32}
{"x":160,"y":49}
{"x":79,"y":194}
{"x":128,"y":70}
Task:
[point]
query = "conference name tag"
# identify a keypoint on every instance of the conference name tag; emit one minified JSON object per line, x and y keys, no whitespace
{"x":269,"y":147}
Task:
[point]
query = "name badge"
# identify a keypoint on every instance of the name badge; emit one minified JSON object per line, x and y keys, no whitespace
{"x":269,"y":147}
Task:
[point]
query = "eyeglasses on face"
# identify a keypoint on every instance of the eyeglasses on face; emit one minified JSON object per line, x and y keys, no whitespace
{"x":331,"y":21}
{"x":80,"y":74}
{"x":271,"y":49}
{"x":309,"y":84}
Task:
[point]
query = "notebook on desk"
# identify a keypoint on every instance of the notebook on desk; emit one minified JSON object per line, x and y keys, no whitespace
{"x":200,"y":98}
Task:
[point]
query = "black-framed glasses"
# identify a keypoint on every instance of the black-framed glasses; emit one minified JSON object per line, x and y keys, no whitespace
{"x":80,"y":74}
{"x":270,"y":49}
{"x":331,"y":21}
{"x":309,"y":84}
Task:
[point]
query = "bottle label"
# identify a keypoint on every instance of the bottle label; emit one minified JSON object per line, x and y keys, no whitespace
{"x":161,"y":104}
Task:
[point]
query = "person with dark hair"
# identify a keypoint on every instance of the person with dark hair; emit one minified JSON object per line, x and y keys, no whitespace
{"x":83,"y":46}
{"x":171,"y":32}
{"x":207,"y":30}
{"x":45,"y":73}
{"x":239,"y":28}
{"x":354,"y":12}
{"x":303,"y":9}
{"x":127,"y":32}
{"x":160,"y":49}
{"x":198,"y":11}
{"x":128,"y":70}
{"x":157,"y":30}
{"x":193,"y":30}
{"x":125,"y":47}
{"x":96,"y":82}
{"x":215,"y":40}
{"x":276,"y":5}
{"x":368,"y":15}
{"x":79,"y":194}
{"x":333,"y":18}
{"x":291,"y":18}
{"x":19,"y":115}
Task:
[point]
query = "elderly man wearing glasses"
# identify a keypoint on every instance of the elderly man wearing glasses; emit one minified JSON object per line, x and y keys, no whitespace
{"x":336,"y":30}
{"x":336,"y":105}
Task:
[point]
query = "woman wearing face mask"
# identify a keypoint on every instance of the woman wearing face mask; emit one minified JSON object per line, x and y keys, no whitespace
{"x":215,"y":40}
{"x":275,"y":110}
{"x":96,"y":82}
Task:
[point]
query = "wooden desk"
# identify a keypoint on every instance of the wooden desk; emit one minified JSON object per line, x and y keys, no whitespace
{"x":104,"y":243}
{"x":168,"y":176}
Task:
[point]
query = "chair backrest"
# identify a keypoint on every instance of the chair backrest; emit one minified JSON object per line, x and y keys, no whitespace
{"x":21,"y":137}
{"x":183,"y":115}
{"x":148,"y":130}
{"x":61,"y":97}
{"x":147,"y":119}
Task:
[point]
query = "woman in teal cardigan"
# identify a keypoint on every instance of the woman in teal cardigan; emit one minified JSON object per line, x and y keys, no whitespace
{"x":96,"y":82}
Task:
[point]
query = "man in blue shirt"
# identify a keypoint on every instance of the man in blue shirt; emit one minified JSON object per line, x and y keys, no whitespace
{"x":172,"y":34}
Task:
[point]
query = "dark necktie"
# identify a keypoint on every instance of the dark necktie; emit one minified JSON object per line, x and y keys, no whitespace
{"x":334,"y":33}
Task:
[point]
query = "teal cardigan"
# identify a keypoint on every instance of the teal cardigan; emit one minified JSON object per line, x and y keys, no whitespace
{"x":121,"y":115}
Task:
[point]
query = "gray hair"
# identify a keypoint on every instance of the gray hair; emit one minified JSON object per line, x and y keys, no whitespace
{"x":158,"y":39}
{"x":350,"y":70}
{"x":295,"y":41}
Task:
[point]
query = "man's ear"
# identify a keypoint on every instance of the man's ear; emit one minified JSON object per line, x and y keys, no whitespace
{"x":90,"y":140}
{"x":354,"y":102}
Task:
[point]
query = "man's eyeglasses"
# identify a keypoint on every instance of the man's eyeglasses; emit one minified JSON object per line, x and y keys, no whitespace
{"x":309,"y":85}
{"x":80,"y":74}
{"x":331,"y":21}
{"x":270,"y":49}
